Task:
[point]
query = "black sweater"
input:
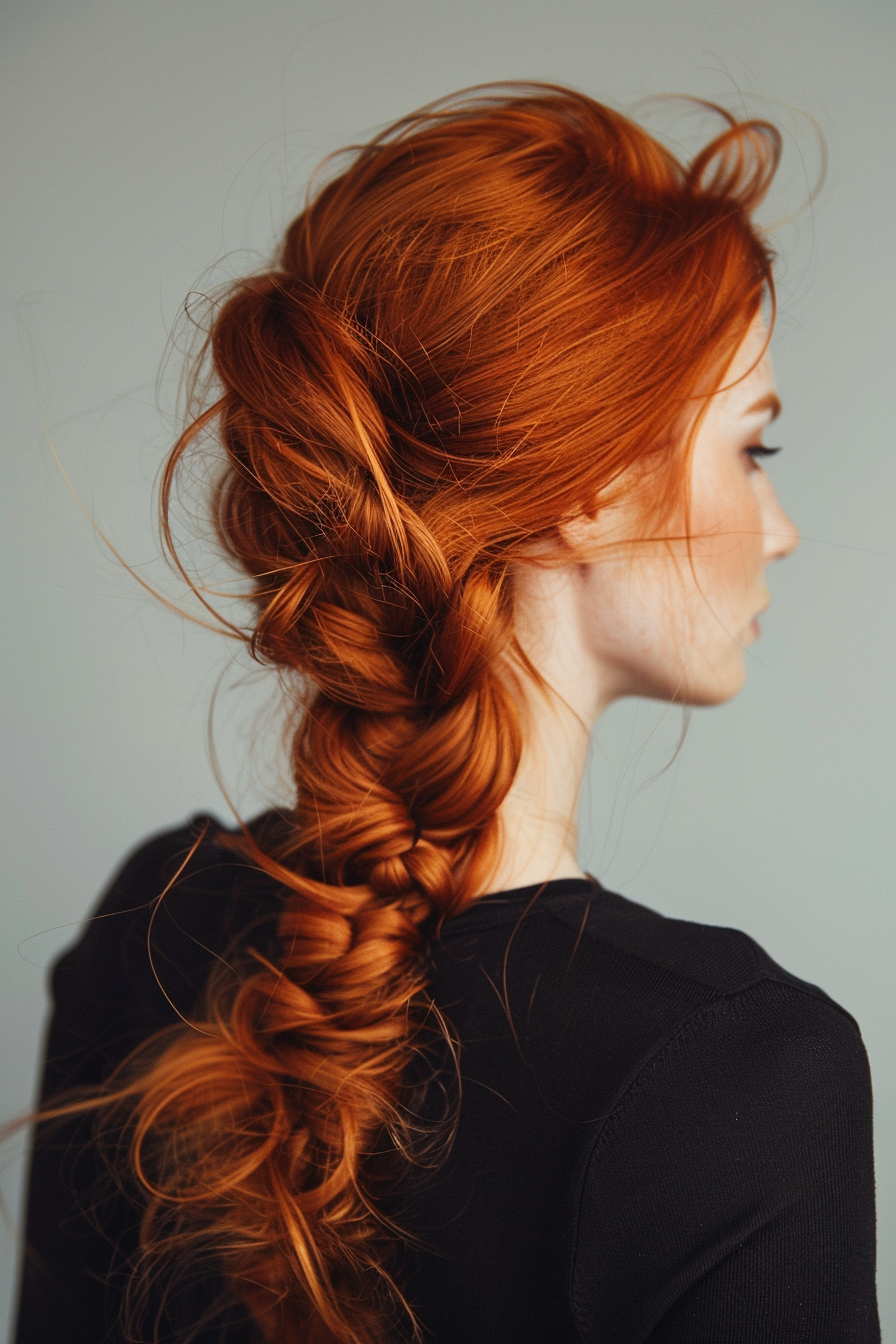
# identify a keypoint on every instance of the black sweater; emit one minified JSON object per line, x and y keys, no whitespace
{"x":663,"y":1135}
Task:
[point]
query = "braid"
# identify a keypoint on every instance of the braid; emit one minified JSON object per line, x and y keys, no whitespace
{"x":473,"y":332}
{"x":398,"y":784}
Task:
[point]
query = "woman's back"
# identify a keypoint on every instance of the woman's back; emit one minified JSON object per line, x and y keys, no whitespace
{"x":662,"y":1135}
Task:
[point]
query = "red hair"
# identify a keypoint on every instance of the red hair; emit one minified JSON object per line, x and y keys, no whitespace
{"x":494,"y":312}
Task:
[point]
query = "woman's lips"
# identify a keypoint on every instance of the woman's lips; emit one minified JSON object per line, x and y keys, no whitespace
{"x":755,"y":629}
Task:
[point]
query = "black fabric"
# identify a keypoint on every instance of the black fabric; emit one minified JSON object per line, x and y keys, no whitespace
{"x":663,"y":1136}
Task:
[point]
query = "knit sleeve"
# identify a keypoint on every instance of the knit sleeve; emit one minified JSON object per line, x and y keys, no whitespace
{"x":730,"y":1194}
{"x":81,"y":1230}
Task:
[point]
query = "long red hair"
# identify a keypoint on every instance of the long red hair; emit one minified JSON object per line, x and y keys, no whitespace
{"x":495,"y":311}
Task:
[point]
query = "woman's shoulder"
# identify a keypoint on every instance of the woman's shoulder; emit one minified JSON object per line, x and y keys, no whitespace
{"x":608,"y":967}
{"x":177,"y":904}
{"x":741,"y":1095}
{"x":716,"y":960}
{"x":750,"y":1124}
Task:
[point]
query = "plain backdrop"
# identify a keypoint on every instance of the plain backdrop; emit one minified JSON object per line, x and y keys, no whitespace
{"x":143,"y":144}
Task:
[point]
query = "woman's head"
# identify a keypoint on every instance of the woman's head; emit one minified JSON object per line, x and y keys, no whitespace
{"x":500,"y":317}
{"x":497,"y":316}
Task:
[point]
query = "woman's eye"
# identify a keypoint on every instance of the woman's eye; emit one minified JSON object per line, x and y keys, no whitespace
{"x":758,"y":451}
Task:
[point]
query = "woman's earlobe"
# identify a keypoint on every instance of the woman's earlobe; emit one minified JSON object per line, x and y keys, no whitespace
{"x":579,"y":533}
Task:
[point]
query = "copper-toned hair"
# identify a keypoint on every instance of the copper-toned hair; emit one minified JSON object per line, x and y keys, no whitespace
{"x":492,"y":319}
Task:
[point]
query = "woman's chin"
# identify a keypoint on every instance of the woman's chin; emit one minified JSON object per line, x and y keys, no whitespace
{"x":716,"y":687}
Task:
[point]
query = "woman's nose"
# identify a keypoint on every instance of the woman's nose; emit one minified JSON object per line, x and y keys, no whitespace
{"x":782,"y":536}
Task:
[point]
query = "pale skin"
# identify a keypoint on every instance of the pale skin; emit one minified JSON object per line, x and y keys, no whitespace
{"x":643,"y":620}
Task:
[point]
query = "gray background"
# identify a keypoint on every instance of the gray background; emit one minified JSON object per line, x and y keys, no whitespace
{"x":143,"y":142}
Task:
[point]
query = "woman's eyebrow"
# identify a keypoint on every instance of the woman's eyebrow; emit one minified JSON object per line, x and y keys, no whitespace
{"x":770,"y":402}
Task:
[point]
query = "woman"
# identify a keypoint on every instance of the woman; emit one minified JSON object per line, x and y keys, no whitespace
{"x":390,"y":1061}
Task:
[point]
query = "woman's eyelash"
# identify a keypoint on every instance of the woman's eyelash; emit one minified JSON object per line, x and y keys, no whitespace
{"x":757,"y":450}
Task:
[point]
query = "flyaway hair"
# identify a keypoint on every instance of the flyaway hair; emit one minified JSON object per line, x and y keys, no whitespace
{"x":493,"y":317}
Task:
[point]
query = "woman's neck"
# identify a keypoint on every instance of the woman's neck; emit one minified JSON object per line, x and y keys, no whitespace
{"x":539,"y":832}
{"x":538,"y":818}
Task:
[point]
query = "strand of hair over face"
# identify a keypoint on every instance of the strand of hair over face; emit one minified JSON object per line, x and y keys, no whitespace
{"x":482,"y":325}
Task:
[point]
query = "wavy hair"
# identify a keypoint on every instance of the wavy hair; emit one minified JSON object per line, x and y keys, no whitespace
{"x":489,"y":320}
